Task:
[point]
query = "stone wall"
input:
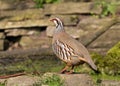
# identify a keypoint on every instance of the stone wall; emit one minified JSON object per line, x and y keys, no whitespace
{"x":30,"y":28}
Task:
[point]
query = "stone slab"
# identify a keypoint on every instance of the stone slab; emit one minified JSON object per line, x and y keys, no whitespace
{"x":93,"y":27}
{"x":116,"y":26}
{"x":101,"y":51}
{"x":35,"y":41}
{"x":1,"y":44}
{"x":71,"y":8}
{"x":110,"y":83}
{"x":24,"y":80}
{"x":2,"y":35}
{"x":27,"y":23}
{"x":26,"y":13}
{"x":21,"y":32}
{"x":107,"y":39}
{"x":72,"y":79}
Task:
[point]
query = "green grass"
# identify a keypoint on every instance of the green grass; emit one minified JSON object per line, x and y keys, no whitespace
{"x":98,"y":78}
{"x":50,"y":80}
{"x":2,"y":84}
{"x":40,"y":3}
{"x":40,"y":65}
{"x":108,"y":7}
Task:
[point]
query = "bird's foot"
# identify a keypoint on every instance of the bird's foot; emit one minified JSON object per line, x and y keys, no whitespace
{"x":63,"y":71}
{"x":67,"y":72}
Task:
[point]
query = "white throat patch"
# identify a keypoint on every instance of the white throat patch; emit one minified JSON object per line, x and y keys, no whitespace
{"x":55,"y":22}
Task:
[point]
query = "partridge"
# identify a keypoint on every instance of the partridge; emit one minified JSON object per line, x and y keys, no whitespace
{"x":68,"y":49}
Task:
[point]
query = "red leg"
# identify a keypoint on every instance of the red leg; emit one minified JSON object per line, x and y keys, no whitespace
{"x":71,"y":71}
{"x":64,"y":69}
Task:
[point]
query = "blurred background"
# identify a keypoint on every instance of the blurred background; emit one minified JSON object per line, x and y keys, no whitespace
{"x":26,"y":34}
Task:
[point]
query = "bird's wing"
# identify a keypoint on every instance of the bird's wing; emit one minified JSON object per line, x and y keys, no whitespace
{"x":78,"y":48}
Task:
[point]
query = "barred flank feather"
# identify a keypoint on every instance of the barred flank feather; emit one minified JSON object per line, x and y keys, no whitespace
{"x":63,"y":50}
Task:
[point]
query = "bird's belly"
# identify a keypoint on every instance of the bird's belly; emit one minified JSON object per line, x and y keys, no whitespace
{"x":76,"y":61}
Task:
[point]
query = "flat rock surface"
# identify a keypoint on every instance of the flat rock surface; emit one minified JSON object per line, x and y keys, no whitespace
{"x":73,"y":79}
{"x":68,"y":80}
{"x":110,"y":83}
{"x":77,"y":80}
{"x":69,"y":8}
{"x":24,"y":80}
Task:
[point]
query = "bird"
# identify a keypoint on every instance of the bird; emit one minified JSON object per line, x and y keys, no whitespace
{"x":68,"y":49}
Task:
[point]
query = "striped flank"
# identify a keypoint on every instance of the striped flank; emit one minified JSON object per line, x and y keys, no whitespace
{"x":62,"y":50}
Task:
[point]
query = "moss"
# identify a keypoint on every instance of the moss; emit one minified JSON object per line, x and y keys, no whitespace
{"x":113,"y":60}
{"x":115,"y":51}
{"x":109,"y":64}
{"x":40,"y":3}
{"x":51,"y":80}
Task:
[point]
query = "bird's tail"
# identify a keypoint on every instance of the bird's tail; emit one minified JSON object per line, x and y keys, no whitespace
{"x":90,"y":63}
{"x":93,"y":66}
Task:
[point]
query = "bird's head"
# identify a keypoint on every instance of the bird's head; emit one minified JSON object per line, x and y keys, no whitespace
{"x":59,"y":25}
{"x":57,"y":22}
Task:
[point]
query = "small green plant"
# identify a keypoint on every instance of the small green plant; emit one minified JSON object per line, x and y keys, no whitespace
{"x":37,"y":83}
{"x":2,"y":84}
{"x":40,"y":3}
{"x":53,"y":80}
{"x":108,"y":8}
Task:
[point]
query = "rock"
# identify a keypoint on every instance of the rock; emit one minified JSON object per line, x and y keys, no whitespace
{"x":34,"y":41}
{"x":21,"y":32}
{"x":50,"y":30}
{"x":70,"y":8}
{"x":27,"y":23}
{"x":93,"y":27}
{"x":101,"y":51}
{"x":77,"y":80}
{"x":104,"y":41}
{"x":14,"y":4}
{"x":2,"y":44}
{"x":73,"y":31}
{"x":98,"y":35}
{"x":27,"y":14}
{"x":2,"y":36}
{"x":23,"y":53}
{"x":116,"y":26}
{"x":19,"y":15}
{"x":21,"y":81}
{"x":110,"y":83}
{"x":72,"y":79}
{"x":4,"y":5}
{"x":67,"y":19}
